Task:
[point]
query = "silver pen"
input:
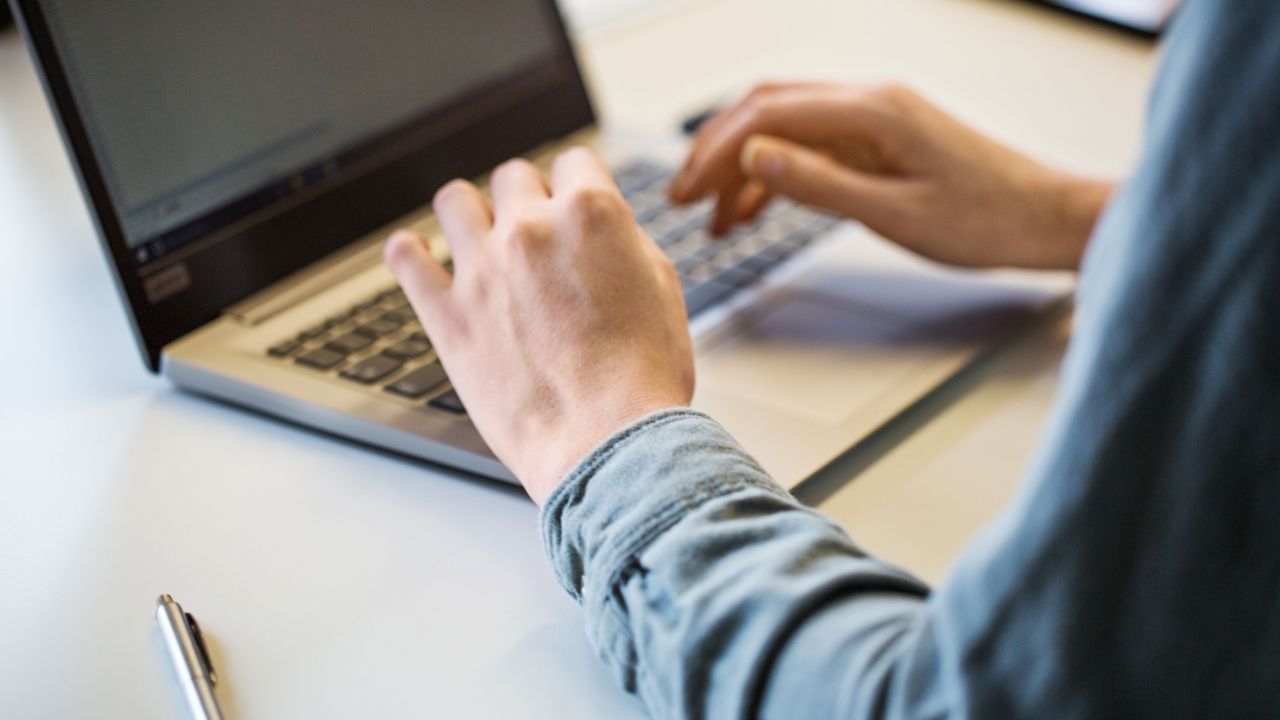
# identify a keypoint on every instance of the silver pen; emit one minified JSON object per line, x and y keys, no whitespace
{"x":190,"y":659}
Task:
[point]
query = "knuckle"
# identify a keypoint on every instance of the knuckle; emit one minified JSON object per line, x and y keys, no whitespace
{"x":530,"y":231}
{"x":764,"y":90}
{"x":754,"y":101}
{"x":894,"y":93}
{"x":595,"y":205}
{"x":756,"y":94}
{"x":757,"y":112}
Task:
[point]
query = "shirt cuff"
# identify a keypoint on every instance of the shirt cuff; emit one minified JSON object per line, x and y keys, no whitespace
{"x":635,"y":486}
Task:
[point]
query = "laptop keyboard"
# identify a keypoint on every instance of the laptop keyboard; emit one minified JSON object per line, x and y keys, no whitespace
{"x":378,"y":342}
{"x":713,"y":269}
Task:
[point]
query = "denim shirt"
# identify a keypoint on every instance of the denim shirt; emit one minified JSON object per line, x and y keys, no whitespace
{"x":1136,"y":574}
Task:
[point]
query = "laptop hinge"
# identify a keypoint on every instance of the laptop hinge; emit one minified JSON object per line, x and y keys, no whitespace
{"x":360,"y":255}
{"x":332,"y":269}
{"x":306,"y":283}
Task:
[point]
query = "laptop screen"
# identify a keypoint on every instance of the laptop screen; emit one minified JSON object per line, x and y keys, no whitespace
{"x":201,"y":113}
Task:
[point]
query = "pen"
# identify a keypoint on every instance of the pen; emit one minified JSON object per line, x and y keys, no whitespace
{"x":189,"y":657}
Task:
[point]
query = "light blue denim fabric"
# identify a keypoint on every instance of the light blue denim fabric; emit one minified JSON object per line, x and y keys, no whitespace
{"x":1137,"y":574}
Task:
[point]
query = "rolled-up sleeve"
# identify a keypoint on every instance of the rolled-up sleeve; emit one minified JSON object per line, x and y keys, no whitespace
{"x":1134,"y":576}
{"x":694,"y":568}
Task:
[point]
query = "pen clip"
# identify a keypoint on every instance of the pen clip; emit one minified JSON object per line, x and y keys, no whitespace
{"x":201,"y":650}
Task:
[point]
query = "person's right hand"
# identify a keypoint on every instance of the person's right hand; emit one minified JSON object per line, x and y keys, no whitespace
{"x":888,"y":158}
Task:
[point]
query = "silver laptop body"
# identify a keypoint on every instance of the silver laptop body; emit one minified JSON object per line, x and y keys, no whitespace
{"x":244,"y":175}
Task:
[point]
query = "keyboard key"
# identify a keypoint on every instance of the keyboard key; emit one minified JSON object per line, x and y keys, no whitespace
{"x":685,"y":266}
{"x":379,"y":327}
{"x":712,"y":269}
{"x":403,"y":314}
{"x":757,"y":264}
{"x":776,"y":253}
{"x":396,"y":317}
{"x":636,"y":175}
{"x":284,"y":349}
{"x":648,"y":205}
{"x":372,"y":369}
{"x":698,"y":273}
{"x":699,"y":256}
{"x":736,"y":277}
{"x":321,"y":358}
{"x":313,"y":332}
{"x":664,"y":227}
{"x":750,"y":244}
{"x":409,"y":348}
{"x":701,"y":297}
{"x":341,"y":317}
{"x":349,"y":343}
{"x":449,"y":402}
{"x":419,"y":382}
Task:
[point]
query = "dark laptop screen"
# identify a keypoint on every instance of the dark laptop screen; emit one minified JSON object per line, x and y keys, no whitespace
{"x":201,"y":113}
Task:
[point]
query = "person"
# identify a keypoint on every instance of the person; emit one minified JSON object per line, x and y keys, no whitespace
{"x":1137,"y":573}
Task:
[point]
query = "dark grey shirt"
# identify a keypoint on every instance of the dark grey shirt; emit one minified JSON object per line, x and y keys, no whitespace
{"x":1137,"y":574}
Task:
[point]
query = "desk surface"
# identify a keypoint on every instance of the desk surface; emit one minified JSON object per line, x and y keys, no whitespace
{"x":335,"y":581}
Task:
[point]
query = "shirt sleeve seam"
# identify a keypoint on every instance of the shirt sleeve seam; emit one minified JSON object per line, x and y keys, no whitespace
{"x":571,"y":491}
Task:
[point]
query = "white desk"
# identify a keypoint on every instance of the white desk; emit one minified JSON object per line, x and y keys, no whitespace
{"x":339,"y":582}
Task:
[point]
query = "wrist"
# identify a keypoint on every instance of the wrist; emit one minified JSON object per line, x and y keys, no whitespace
{"x":1076,"y":205}
{"x":557,"y":455}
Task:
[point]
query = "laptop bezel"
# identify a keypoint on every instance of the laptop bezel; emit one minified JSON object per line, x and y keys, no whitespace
{"x":467,"y":136}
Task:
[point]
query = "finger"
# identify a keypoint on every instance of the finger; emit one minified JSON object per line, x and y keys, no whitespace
{"x":579,"y":167}
{"x":516,"y":185}
{"x":809,"y":115}
{"x":727,"y":199}
{"x":740,"y":207}
{"x":424,"y":280}
{"x":464,"y":216}
{"x":714,"y":125}
{"x":810,"y":177}
{"x":753,"y":198}
{"x":680,"y":189}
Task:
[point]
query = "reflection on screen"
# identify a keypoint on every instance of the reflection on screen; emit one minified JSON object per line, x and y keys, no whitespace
{"x":193,"y":104}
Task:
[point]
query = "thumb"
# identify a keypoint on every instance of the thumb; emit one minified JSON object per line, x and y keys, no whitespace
{"x":810,"y":177}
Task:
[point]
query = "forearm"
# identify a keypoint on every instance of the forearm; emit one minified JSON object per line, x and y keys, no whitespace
{"x":697,"y":572}
{"x":1047,"y":218}
{"x":1070,"y":214}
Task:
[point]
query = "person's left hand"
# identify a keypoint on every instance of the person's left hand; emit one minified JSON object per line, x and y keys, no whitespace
{"x":562,"y":323}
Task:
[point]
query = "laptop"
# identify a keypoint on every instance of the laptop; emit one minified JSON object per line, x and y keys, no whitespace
{"x":244,"y":162}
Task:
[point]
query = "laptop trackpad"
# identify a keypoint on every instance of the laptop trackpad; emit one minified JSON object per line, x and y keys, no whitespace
{"x":837,"y":337}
